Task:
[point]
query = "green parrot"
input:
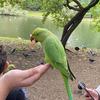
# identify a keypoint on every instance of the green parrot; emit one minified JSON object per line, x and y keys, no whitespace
{"x":54,"y":54}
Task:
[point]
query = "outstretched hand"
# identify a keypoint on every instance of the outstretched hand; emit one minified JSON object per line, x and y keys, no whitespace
{"x":21,"y":78}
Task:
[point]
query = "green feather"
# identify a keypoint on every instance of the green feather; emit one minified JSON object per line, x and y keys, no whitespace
{"x":54,"y":54}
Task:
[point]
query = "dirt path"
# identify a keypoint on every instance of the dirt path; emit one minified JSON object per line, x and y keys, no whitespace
{"x":51,"y":86}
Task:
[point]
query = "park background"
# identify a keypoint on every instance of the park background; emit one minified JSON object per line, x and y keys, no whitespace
{"x":18,"y":18}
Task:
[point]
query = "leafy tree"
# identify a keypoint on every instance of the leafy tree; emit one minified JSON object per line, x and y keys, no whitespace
{"x":32,"y":4}
{"x":67,"y":13}
{"x":96,"y":17}
{"x":25,"y":4}
{"x":12,"y":2}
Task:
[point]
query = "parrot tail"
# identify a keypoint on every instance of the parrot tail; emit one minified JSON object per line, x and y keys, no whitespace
{"x":68,"y":88}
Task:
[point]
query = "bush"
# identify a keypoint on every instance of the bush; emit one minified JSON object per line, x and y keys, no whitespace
{"x":12,"y":10}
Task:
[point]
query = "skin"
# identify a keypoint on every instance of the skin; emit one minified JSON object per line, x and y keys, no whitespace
{"x":93,"y":93}
{"x":20,"y":78}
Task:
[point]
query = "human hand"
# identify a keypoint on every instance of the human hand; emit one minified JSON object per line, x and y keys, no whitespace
{"x":93,"y":93}
{"x":23,"y":78}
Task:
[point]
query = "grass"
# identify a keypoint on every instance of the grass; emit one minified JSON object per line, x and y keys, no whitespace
{"x":35,"y":14}
{"x":14,"y":42}
{"x":6,"y":39}
{"x":19,"y":44}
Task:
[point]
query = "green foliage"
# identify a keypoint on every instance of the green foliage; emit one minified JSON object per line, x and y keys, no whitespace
{"x":15,"y":10}
{"x":12,"y":7}
{"x":12,"y":2}
{"x":95,"y":14}
{"x":62,"y":14}
{"x":32,"y":4}
{"x":57,"y":10}
{"x":84,"y":2}
{"x":96,"y":17}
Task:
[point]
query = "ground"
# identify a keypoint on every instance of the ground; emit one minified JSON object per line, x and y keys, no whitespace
{"x":51,"y":86}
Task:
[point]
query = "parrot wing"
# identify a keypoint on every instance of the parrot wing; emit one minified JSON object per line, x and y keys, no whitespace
{"x":55,"y":54}
{"x":54,"y":49}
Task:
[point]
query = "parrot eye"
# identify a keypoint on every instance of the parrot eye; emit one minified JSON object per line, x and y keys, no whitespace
{"x":37,"y":34}
{"x":36,"y":41}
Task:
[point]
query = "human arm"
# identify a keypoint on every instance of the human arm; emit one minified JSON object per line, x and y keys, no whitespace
{"x":20,"y":78}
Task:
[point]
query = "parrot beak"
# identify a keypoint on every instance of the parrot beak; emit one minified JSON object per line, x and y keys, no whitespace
{"x":31,"y":38}
{"x":33,"y":41}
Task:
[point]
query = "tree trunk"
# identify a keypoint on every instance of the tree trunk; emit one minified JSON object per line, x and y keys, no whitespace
{"x":75,"y":21}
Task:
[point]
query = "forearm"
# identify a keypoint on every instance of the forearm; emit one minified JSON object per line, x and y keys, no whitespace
{"x":4,"y":91}
{"x":3,"y":94}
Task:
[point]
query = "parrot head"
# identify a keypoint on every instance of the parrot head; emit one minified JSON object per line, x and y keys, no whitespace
{"x":39,"y":35}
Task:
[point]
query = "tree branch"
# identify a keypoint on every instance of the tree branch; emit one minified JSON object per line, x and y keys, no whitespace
{"x":71,"y":7}
{"x":45,"y":17}
{"x":78,"y":3}
{"x":92,"y":3}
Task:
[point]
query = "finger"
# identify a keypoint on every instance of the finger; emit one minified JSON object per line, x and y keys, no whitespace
{"x":42,"y":68}
{"x":28,"y":73}
{"x":86,"y":94}
{"x":92,"y":95}
{"x":29,"y":81}
{"x":32,"y":71}
{"x":89,"y":90}
{"x":35,"y":76}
